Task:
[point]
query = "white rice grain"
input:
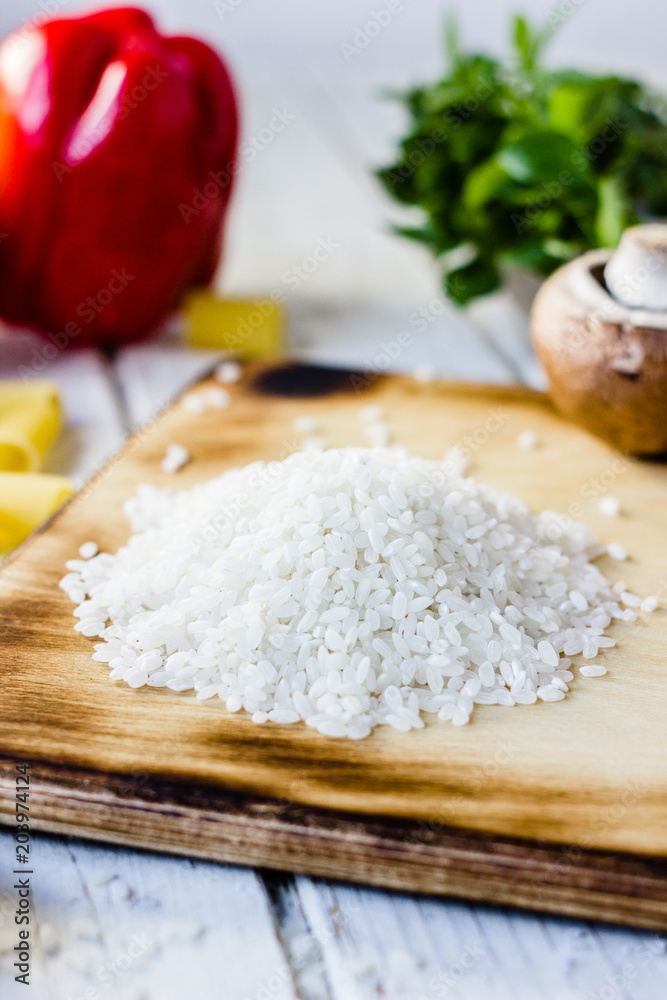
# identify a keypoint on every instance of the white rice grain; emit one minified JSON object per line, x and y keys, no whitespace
{"x":217,"y":398}
{"x":592,"y":670}
{"x":527,"y":440}
{"x":193,"y":402}
{"x":609,"y":506}
{"x":347,"y":588}
{"x":305,"y":424}
{"x":228,"y":372}
{"x":176,"y":456}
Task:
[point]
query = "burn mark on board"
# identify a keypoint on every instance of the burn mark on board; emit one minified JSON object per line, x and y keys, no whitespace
{"x":305,"y":381}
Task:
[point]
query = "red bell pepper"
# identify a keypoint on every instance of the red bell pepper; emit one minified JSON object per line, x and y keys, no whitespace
{"x":117,"y":150}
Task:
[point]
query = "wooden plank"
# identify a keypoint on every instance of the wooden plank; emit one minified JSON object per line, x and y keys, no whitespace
{"x":150,"y":375}
{"x":355,"y":336}
{"x":203,"y":924}
{"x":137,"y":925}
{"x":325,"y":194}
{"x":398,"y":854}
{"x":301,"y":941}
{"x":503,"y":322}
{"x":329,"y":943}
{"x":375,"y":943}
{"x":607,"y":791}
{"x":440,"y":341}
{"x":362,"y":135}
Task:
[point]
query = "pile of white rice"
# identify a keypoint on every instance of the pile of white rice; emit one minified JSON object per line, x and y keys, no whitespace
{"x":347,"y":588}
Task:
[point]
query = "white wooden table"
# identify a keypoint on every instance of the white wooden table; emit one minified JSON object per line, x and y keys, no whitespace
{"x":127,"y":925}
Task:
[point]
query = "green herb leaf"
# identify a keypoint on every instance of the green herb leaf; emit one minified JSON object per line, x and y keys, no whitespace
{"x":537,"y":155}
{"x":484,"y":183}
{"x":612,"y":215}
{"x":525,"y":165}
{"x":479,"y":277}
{"x":525,"y":43}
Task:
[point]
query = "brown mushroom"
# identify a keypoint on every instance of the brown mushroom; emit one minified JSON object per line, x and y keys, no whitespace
{"x":599,"y":327}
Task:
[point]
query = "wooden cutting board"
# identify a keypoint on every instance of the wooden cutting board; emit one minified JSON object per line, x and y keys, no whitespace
{"x":457,"y":811}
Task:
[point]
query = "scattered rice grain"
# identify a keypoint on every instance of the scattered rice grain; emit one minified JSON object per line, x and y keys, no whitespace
{"x":228,"y":372}
{"x":193,"y":402}
{"x":176,"y":456}
{"x":609,"y":506}
{"x":216,"y":397}
{"x":527,"y":440}
{"x":305,"y":424}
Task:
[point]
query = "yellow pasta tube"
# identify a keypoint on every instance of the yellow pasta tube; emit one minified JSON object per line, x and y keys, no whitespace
{"x":30,"y":419}
{"x":27,"y":499}
{"x":250,"y":328}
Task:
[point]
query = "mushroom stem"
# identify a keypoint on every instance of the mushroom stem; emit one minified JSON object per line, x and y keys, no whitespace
{"x":636,"y":273}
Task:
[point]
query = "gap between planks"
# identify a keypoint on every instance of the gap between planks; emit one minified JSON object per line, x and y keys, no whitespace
{"x":394,"y":854}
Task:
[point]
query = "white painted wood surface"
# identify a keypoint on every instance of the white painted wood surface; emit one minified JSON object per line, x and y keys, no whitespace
{"x":139,"y":926}
{"x":210,"y":930}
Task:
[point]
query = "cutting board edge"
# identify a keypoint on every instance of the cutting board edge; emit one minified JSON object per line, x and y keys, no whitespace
{"x":617,"y":837}
{"x":77,"y":819}
{"x":372,"y":850}
{"x":508,"y":392}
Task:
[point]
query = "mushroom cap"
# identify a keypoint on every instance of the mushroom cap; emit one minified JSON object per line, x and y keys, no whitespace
{"x":606,"y":362}
{"x":636,"y":273}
